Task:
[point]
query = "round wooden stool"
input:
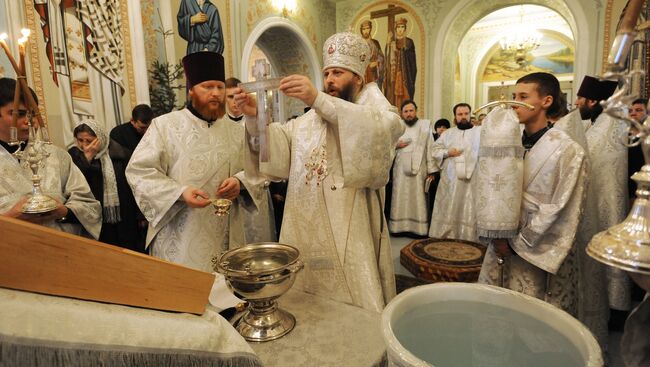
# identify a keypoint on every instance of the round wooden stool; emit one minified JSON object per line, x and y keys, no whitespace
{"x":435,"y":260}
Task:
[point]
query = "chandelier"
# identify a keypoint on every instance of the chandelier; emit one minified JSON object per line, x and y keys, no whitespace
{"x":521,"y":38}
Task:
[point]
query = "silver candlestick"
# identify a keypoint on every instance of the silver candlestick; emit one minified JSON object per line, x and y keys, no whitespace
{"x":34,"y":155}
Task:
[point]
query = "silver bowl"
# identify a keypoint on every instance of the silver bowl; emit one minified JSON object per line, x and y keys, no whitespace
{"x":260,"y":273}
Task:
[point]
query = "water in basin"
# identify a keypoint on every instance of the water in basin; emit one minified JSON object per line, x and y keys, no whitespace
{"x":456,"y":333}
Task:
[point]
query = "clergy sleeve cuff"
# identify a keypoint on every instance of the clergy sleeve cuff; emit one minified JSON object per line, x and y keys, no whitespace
{"x":251,"y":125}
{"x":325,"y":108}
{"x":529,"y":237}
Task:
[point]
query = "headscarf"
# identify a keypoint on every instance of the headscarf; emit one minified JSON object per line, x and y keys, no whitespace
{"x":111,"y":200}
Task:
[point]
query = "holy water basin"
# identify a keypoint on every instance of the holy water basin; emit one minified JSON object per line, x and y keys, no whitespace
{"x":461,"y":324}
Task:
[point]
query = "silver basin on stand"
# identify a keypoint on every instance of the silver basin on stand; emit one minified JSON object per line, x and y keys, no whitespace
{"x":260,"y":273}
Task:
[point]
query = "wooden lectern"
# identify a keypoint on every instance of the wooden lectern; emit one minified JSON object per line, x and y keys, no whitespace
{"x":39,"y":259}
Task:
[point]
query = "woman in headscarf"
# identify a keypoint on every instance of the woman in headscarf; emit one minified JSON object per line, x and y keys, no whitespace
{"x":91,"y":156}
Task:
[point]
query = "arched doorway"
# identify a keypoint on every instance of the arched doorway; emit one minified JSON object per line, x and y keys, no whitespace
{"x":489,"y":69}
{"x":466,"y":13}
{"x":288,"y":49}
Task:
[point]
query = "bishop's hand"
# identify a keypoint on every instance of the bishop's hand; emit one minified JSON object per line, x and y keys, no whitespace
{"x":245,"y":102}
{"x":300,"y":87}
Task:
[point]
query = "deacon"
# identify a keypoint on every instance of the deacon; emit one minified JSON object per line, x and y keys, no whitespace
{"x":337,"y":159}
{"x":540,"y":258}
{"x":186,"y":159}
{"x":606,"y":205}
{"x":456,"y":153}
{"x":77,"y":211}
{"x":413,"y":166}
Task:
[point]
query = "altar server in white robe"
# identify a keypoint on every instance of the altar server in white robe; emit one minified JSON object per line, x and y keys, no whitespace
{"x":602,"y":287}
{"x":337,"y":159}
{"x":456,"y":153}
{"x":413,"y":166}
{"x":77,"y":211}
{"x":540,"y":258}
{"x":185,"y":159}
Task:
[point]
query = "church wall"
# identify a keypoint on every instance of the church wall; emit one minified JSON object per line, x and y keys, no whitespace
{"x":315,"y":19}
{"x":447,"y":21}
{"x":40,"y":76}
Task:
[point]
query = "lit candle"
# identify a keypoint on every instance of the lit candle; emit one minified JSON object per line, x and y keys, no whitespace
{"x":5,"y":46}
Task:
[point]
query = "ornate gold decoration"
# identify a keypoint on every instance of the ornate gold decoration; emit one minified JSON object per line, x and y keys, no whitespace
{"x":606,"y":38}
{"x":126,"y":34}
{"x":34,"y":58}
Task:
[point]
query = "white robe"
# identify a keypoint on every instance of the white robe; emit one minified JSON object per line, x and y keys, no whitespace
{"x":554,"y":189}
{"x":454,"y":213}
{"x":180,"y":150}
{"x":573,"y":125}
{"x":337,"y":224}
{"x":608,"y":193}
{"x":60,"y":179}
{"x":408,"y":211}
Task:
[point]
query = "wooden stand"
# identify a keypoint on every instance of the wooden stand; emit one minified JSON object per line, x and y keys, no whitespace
{"x":433,"y":260}
{"x":43,"y":260}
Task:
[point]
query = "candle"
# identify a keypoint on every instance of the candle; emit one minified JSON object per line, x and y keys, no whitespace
{"x":3,"y":43}
{"x":21,"y":77}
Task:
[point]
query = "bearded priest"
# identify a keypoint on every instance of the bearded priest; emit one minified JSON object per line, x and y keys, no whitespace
{"x":337,"y":158}
{"x":185,"y":159}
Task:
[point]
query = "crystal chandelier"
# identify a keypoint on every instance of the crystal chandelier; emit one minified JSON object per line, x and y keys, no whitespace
{"x":521,"y":39}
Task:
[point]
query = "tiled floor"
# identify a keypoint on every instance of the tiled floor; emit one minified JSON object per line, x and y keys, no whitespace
{"x":398,"y":242}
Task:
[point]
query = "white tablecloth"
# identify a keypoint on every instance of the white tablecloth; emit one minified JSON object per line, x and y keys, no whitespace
{"x":46,"y":330}
{"x":327,"y":333}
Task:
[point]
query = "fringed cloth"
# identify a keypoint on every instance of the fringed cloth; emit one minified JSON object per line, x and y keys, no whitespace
{"x":500,"y":175}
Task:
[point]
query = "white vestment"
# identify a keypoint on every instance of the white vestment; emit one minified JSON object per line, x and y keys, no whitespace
{"x":554,"y":186}
{"x":606,"y":139}
{"x":454,"y":213}
{"x":180,"y":150}
{"x":337,"y":159}
{"x":408,"y":211}
{"x":573,"y":125}
{"x":61,"y":180}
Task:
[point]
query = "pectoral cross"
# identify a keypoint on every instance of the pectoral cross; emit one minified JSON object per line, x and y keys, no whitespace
{"x":263,"y":88}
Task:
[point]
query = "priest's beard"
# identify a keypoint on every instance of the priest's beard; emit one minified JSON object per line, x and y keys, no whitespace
{"x":586,"y":113}
{"x":411,"y":122}
{"x":347,"y":93}
{"x":464,"y":124}
{"x":209,"y":111}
